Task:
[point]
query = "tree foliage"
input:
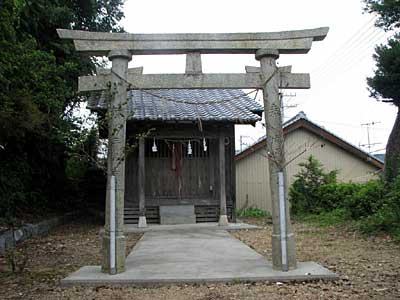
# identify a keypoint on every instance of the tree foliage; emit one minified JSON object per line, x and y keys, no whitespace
{"x":385,"y":84}
{"x":388,"y":11}
{"x":386,"y":81}
{"x":38,"y":79}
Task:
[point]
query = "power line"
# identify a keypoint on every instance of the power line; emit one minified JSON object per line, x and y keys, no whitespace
{"x":353,"y":125}
{"x":364,"y":55}
{"x":347,"y":44}
{"x":352,"y":54}
{"x":346,"y":50}
{"x":356,"y":57}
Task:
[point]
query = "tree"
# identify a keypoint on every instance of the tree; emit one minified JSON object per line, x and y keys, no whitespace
{"x":304,"y":192}
{"x":38,"y":76}
{"x":385,"y":84}
{"x":388,"y":11}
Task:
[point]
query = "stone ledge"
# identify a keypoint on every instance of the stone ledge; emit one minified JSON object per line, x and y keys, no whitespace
{"x":92,"y":276}
{"x":133,"y":228}
{"x":28,"y":231}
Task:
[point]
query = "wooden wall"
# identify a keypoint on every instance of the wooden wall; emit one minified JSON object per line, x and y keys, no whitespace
{"x":200,"y":173}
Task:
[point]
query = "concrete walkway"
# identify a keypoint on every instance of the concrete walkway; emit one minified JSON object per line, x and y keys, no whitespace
{"x":188,"y":256}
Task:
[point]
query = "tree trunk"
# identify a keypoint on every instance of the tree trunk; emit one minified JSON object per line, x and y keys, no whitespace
{"x":392,"y":157}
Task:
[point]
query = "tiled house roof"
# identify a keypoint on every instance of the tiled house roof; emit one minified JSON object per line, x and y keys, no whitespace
{"x":226,"y":105}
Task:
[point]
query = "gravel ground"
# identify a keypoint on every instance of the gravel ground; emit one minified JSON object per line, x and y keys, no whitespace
{"x":368,"y":268}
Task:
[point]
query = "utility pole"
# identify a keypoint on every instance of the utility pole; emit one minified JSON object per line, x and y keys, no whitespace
{"x":369,"y":144}
{"x":286,"y":106}
{"x":241,"y":141}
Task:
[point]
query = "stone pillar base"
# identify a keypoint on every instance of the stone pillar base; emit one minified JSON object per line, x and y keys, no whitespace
{"x":119,"y":253}
{"x":142,"y":222}
{"x":277,"y":253}
{"x":223,"y":220}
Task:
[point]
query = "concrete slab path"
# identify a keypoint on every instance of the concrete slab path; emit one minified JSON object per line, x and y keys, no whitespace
{"x":195,"y":255}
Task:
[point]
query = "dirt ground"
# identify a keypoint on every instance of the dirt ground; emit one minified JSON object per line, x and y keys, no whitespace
{"x":369,"y":268}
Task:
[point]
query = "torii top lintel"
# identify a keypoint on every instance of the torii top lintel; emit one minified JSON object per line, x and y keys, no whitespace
{"x":286,"y":42}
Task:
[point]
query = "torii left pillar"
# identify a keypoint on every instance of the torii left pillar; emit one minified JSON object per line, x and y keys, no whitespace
{"x":117,"y":114}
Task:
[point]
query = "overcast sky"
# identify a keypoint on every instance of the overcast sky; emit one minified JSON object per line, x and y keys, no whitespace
{"x":338,"y":98}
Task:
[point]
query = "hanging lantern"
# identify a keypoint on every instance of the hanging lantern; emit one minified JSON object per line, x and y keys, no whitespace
{"x":154,"y":148}
{"x":189,"y":149}
{"x":204,"y":145}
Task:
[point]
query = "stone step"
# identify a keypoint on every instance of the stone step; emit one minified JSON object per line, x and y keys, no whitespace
{"x":177,"y":214}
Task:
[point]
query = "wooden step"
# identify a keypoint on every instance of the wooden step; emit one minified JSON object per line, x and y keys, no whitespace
{"x":131,"y":215}
{"x":204,"y":213}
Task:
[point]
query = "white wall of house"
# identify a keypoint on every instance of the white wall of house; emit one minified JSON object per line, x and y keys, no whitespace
{"x":252,"y":180}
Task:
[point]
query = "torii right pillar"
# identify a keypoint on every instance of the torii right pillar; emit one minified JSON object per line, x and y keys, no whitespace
{"x":283,"y":243}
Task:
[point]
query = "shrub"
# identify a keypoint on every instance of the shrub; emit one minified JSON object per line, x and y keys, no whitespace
{"x":305,"y":191}
{"x":333,"y":195}
{"x":14,"y":178}
{"x":365,"y":200}
{"x":386,"y":217}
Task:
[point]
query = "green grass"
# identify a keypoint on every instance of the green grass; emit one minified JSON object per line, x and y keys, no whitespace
{"x":253,"y":213}
{"x":340,"y":217}
{"x":334,"y":217}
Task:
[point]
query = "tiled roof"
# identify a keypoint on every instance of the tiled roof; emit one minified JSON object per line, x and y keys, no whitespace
{"x":179,"y":105}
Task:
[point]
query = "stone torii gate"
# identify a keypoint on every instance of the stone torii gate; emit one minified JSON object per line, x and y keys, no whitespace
{"x":119,"y":48}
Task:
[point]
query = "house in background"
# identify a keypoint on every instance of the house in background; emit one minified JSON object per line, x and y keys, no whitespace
{"x":185,"y":152}
{"x":302,"y":139}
